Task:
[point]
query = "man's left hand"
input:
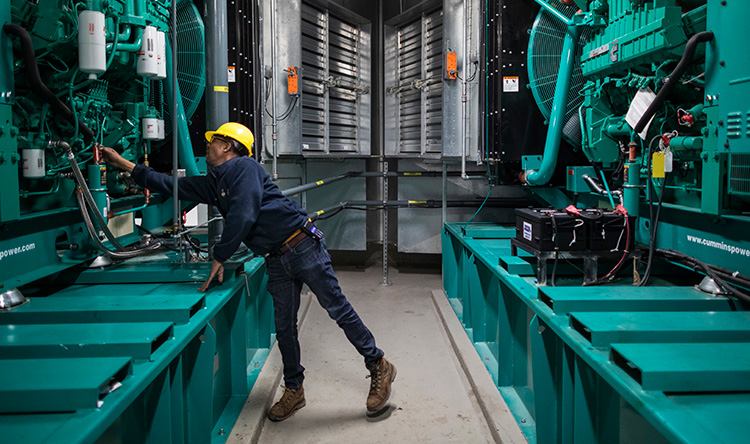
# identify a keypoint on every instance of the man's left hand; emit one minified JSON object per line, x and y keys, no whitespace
{"x":217,"y":270}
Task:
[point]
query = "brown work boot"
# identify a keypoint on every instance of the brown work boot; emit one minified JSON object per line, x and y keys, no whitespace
{"x":381,"y":377}
{"x":291,"y":401}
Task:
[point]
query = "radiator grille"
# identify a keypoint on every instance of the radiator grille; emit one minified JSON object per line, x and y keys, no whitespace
{"x":739,"y":174}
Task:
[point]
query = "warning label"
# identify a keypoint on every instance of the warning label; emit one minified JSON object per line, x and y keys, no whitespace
{"x":511,"y":84}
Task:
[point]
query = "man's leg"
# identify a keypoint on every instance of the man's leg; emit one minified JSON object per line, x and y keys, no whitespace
{"x":315,"y":269}
{"x":285,"y":291}
{"x":313,"y":266}
{"x":286,"y":298}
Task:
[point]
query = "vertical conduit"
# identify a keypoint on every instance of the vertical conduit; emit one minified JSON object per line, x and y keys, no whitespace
{"x":217,"y":96}
{"x":445,"y":192}
{"x":465,"y":90}
{"x":274,"y":135}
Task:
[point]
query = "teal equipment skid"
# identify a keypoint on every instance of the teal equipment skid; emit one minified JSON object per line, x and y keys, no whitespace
{"x":134,"y":354}
{"x":130,"y":351}
{"x":614,"y":364}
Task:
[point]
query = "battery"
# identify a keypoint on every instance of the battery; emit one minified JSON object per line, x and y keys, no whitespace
{"x":607,"y":230}
{"x":550,"y":230}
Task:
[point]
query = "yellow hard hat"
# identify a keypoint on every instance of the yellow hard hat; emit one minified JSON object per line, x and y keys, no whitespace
{"x":236,"y":131}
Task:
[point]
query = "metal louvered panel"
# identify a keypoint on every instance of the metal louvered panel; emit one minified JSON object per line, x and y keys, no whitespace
{"x":415,"y":89}
{"x":410,"y":101}
{"x":331,"y":75}
{"x":314,"y":74}
{"x":433,"y":92}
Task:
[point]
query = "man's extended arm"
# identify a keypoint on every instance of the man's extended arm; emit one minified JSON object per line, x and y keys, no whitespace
{"x":193,"y":189}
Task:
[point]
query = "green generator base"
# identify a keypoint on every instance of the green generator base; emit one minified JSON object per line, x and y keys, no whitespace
{"x":181,"y":362}
{"x":609,"y":364}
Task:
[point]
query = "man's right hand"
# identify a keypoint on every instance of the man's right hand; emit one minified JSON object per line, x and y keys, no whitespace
{"x":114,"y":159}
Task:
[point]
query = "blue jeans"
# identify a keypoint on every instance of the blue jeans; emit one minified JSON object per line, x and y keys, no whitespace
{"x":309,"y":263}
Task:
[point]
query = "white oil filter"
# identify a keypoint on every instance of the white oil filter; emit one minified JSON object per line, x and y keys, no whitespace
{"x":160,"y":134}
{"x":161,"y":55}
{"x":32,"y":161}
{"x":92,"y":43}
{"x":147,"y":65}
{"x":149,"y":128}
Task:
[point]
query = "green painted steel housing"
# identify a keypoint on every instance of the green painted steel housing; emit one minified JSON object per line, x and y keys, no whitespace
{"x":611,"y":364}
{"x":133,"y":354}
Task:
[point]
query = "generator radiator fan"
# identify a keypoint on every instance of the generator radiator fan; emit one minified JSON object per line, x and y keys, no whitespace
{"x":191,"y":61}
{"x":545,"y":48}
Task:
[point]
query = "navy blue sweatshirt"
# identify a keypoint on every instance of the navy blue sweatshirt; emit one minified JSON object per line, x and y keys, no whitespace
{"x":254,"y":209}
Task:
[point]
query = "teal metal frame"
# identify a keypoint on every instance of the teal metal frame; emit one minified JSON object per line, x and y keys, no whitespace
{"x":185,"y":360}
{"x":570,"y":361}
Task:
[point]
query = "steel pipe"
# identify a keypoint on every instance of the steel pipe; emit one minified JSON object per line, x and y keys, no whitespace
{"x":274,"y":135}
{"x":217,"y":100}
{"x":557,"y":115}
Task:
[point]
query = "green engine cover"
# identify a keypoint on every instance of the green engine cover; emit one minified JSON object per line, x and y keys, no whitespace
{"x":652,"y":32}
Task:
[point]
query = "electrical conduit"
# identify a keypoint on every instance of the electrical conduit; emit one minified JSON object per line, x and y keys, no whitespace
{"x":275,"y":174}
{"x":217,"y":94}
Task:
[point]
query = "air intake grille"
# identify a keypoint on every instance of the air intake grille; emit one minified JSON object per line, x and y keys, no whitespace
{"x":739,"y":174}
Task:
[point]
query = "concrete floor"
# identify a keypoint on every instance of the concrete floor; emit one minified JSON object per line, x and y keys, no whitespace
{"x":441,"y":394}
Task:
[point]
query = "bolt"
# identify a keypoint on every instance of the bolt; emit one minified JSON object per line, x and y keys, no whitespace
{"x":723,"y":3}
{"x":722,"y":63}
{"x":726,"y":145}
{"x":721,"y":123}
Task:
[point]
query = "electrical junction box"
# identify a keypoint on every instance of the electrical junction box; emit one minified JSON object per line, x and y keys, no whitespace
{"x":574,"y":179}
{"x":451,"y":66}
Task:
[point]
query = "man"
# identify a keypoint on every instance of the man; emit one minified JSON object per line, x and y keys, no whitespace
{"x":257,"y":213}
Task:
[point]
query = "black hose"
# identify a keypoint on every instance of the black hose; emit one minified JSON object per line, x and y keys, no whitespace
{"x":728,"y":276}
{"x":127,"y":254}
{"x":654,"y":229}
{"x":32,"y":71}
{"x":672,"y":80}
{"x":81,"y":182}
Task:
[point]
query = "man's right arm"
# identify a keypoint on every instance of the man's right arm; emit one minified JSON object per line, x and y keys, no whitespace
{"x":114,"y":159}
{"x":194,"y":189}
